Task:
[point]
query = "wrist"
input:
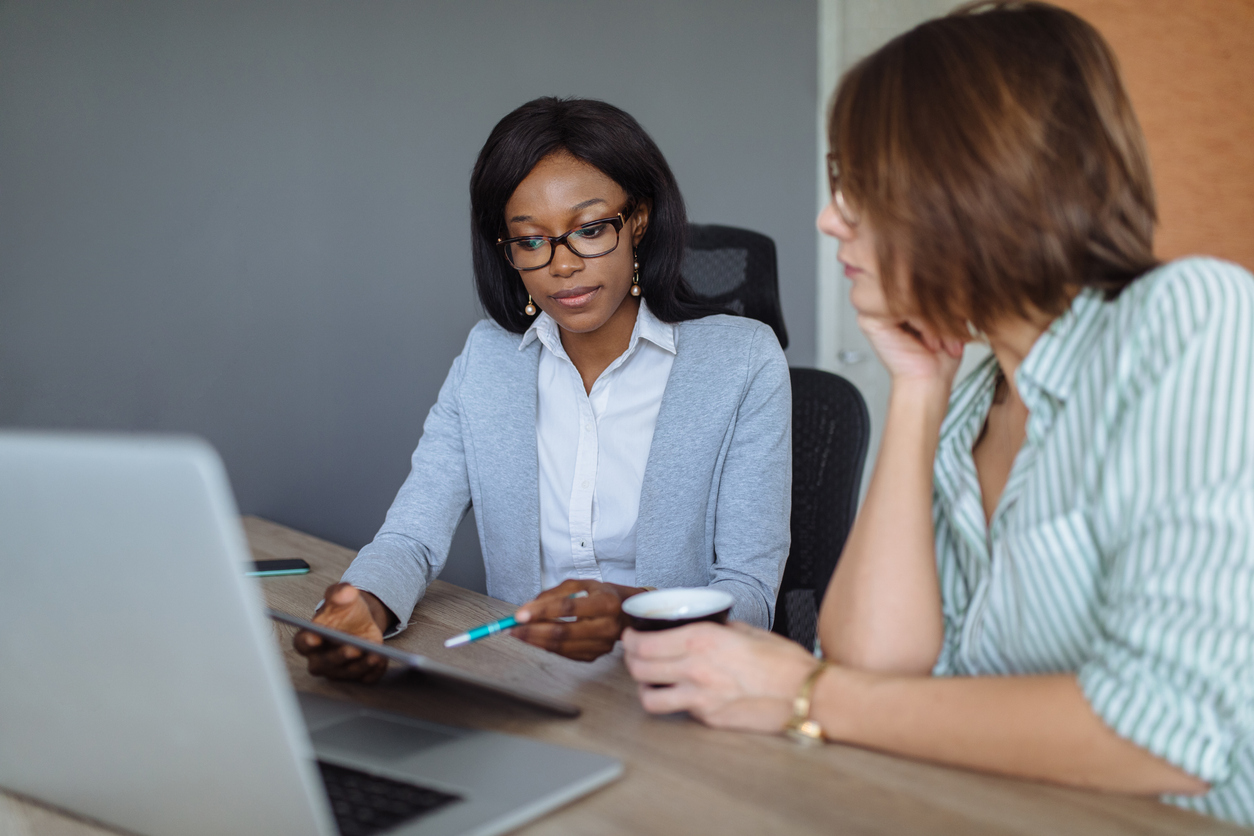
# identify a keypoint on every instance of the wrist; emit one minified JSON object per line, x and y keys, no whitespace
{"x":836,"y":702}
{"x":918,"y":406}
{"x":802,"y":726}
{"x":383,"y":617}
{"x":928,"y":393}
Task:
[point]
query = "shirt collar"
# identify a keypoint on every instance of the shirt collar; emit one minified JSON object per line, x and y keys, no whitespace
{"x":542,"y":328}
{"x":647,"y":327}
{"x":1059,"y":354}
{"x":1045,"y":377}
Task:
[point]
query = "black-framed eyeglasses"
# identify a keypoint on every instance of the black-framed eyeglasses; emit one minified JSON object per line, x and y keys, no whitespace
{"x":847,"y":215}
{"x":591,"y":240}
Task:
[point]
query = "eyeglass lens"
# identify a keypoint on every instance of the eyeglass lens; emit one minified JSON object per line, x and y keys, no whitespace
{"x":588,"y":241}
{"x":838,"y":197}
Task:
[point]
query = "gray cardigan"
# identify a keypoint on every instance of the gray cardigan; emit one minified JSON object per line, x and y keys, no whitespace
{"x":714,"y":506}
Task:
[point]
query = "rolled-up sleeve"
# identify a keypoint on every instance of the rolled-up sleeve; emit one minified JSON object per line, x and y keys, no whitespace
{"x":1172,"y":669}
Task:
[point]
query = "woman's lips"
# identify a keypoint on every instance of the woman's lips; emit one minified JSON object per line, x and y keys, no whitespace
{"x":575,"y":297}
{"x":851,"y":271}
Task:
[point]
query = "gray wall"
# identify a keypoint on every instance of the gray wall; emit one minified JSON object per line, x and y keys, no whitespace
{"x":248,"y":220}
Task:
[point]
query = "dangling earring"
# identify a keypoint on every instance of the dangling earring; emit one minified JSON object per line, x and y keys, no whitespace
{"x":530,"y":310}
{"x":635,"y":282}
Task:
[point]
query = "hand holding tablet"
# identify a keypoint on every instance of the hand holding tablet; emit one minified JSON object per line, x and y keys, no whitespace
{"x":355,"y":612}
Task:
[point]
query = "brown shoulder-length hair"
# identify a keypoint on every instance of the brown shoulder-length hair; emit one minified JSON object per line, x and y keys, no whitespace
{"x":996,"y":155}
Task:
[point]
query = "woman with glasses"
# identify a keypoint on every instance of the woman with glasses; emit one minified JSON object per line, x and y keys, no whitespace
{"x":611,"y":434}
{"x":1052,"y":575}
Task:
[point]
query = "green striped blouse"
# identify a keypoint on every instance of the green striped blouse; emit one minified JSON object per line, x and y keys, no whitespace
{"x":1123,"y":545}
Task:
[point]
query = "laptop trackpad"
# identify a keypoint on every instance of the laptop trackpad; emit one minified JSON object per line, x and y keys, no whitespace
{"x":377,"y":737}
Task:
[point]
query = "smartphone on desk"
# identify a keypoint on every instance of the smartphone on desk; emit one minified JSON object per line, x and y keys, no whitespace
{"x":270,"y":568}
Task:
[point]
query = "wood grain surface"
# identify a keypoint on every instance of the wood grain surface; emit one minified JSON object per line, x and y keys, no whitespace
{"x":680,"y":777}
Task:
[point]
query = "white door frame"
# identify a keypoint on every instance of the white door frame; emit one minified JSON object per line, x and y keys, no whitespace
{"x":848,"y":30}
{"x":830,"y":295}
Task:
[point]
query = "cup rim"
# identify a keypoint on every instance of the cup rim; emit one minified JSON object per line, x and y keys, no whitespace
{"x":700,"y":602}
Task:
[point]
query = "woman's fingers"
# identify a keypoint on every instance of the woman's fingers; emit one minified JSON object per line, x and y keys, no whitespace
{"x":376,"y":672}
{"x":933,"y":341}
{"x":593,"y":632}
{"x":339,"y":655}
{"x":926,"y":334}
{"x":340,"y":595}
{"x":370,"y":665}
{"x":928,"y":339}
{"x":342,"y":654}
{"x":343,"y":609}
{"x":671,"y":644}
{"x":334,"y":661}
{"x":548,"y":607}
{"x":911,"y":349}
{"x":546,"y":598}
{"x":682,"y":697}
{"x":306,"y":642}
{"x":733,"y":674}
{"x":682,"y":655}
{"x":548,"y":633}
{"x":666,"y":672}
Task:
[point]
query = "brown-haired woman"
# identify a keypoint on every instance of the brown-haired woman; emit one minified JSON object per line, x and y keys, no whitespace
{"x":1053,"y":573}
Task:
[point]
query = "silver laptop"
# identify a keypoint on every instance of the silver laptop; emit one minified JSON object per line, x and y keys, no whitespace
{"x":141,"y":684}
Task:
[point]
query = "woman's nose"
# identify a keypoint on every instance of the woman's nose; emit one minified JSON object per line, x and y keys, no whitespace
{"x":565,"y":261}
{"x":831,"y":223}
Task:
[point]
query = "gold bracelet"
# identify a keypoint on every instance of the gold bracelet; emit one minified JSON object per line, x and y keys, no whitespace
{"x":800,"y":727}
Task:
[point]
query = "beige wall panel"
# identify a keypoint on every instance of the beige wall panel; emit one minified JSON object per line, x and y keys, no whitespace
{"x":1189,"y":68}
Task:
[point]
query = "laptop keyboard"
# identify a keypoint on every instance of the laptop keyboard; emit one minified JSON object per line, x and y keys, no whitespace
{"x":365,"y":804}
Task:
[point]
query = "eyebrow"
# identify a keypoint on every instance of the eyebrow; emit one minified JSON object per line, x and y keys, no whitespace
{"x":522,"y":219}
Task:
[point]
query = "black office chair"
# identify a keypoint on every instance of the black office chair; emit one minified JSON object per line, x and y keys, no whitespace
{"x":735,"y":268}
{"x":830,"y":433}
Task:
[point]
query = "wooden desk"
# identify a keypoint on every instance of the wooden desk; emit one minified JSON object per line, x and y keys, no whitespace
{"x":681,"y":777}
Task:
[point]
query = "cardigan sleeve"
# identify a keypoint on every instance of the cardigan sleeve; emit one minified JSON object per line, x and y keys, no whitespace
{"x":754,"y":504}
{"x":410,"y":549}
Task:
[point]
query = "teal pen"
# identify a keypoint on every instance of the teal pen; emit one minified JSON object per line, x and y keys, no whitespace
{"x":495,"y":627}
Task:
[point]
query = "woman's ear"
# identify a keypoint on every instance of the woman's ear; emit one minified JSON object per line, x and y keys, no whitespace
{"x":639,"y":222}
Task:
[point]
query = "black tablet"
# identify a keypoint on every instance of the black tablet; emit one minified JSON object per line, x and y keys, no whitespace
{"x":433,"y":668}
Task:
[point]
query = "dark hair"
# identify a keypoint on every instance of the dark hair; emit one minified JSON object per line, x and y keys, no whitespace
{"x":998,"y":159}
{"x":608,"y":139}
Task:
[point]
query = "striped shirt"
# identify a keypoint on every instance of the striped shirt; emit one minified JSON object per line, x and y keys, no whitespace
{"x":1122,"y":549}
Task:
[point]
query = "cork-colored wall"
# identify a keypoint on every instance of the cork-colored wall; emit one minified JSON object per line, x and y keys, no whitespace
{"x":1189,"y":68}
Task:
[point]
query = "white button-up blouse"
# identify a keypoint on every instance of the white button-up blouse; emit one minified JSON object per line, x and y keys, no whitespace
{"x":593,"y":448}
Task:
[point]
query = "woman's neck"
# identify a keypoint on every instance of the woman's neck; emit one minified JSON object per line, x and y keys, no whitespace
{"x":1012,"y":340}
{"x":1005,"y":426}
{"x":592,"y":352}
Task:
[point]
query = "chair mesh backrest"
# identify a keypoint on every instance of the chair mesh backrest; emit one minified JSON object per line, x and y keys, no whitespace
{"x":735,"y":268}
{"x":830,"y":432}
